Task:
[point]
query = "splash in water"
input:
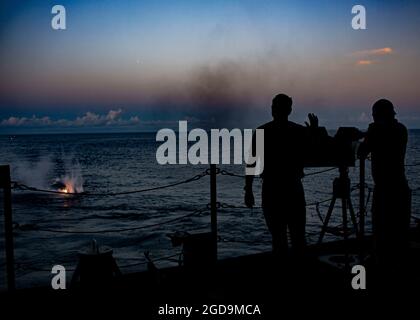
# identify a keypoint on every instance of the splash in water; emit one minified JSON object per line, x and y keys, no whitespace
{"x":43,"y":174}
{"x":71,"y":182}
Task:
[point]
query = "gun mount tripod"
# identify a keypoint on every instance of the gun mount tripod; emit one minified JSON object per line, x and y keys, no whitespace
{"x":341,"y":190}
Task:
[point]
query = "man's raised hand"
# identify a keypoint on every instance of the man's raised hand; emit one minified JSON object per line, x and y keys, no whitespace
{"x":313,"y":121}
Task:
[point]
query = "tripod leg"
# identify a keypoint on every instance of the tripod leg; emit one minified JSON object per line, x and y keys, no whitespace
{"x":327,"y":219}
{"x":344,"y":217}
{"x":353,"y":216}
{"x":358,"y":230}
{"x":344,"y":202}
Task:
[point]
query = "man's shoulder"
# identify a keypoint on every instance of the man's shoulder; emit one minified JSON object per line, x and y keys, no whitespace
{"x":396,"y":128}
{"x":290,"y":125}
{"x":295,"y":125}
{"x":266,"y":125}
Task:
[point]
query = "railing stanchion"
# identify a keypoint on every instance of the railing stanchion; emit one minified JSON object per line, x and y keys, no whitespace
{"x":5,"y":184}
{"x":213,"y":205}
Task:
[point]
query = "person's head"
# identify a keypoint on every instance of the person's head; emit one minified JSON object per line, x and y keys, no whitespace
{"x":383,"y":111}
{"x":281,"y":107}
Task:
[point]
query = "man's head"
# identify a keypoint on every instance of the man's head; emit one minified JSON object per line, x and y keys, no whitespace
{"x":281,"y":107}
{"x":383,"y":111}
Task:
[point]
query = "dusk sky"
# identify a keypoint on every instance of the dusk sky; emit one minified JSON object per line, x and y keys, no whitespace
{"x":143,"y":65}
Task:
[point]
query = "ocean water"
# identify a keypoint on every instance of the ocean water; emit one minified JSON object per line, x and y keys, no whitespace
{"x":109,"y":163}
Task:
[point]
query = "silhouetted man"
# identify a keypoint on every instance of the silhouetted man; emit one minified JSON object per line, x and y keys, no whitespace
{"x":386,"y":141}
{"x":283,"y":197}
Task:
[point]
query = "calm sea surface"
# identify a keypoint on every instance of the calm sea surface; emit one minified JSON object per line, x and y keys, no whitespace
{"x":108,"y":163}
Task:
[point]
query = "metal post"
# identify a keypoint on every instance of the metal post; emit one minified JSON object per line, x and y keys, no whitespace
{"x":362,"y":198}
{"x":213,"y":204}
{"x":5,"y":184}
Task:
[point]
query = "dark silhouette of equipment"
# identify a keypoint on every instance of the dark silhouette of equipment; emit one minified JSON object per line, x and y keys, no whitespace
{"x":96,"y":268}
{"x":341,"y":190}
{"x":338,"y":151}
{"x":342,"y":154}
{"x":198,"y":250}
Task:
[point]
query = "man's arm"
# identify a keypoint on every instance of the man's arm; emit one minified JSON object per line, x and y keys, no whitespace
{"x":249,"y":195}
{"x":365,"y":147}
{"x":249,"y":179}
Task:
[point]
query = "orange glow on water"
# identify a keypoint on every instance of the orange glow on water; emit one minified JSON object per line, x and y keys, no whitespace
{"x":68,"y":188}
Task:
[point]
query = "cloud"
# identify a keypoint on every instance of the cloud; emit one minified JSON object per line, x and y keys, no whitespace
{"x":112,"y":114}
{"x":374,"y":52}
{"x":93,"y":119}
{"x":89,"y":119}
{"x":113,"y":119}
{"x":364,"y":62}
{"x":24,"y":121}
{"x":368,"y":57}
